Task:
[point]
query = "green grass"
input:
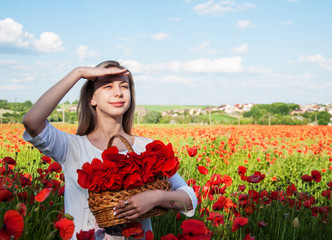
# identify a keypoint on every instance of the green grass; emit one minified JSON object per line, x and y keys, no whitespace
{"x":161,"y":108}
{"x":220,"y":118}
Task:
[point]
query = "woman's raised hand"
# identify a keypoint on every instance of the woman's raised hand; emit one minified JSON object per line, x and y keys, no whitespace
{"x":91,"y":73}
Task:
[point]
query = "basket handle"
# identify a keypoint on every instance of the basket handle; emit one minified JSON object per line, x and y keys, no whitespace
{"x":123,"y":139}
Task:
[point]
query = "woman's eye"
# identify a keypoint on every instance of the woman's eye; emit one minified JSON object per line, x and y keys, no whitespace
{"x":125,"y":86}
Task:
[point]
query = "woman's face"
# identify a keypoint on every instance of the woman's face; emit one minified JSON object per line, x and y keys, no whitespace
{"x":111,"y":96}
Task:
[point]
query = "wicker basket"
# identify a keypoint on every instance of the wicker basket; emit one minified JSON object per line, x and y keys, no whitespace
{"x":101,"y":203}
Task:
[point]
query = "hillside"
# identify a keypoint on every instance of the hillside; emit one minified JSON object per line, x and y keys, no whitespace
{"x":161,"y":108}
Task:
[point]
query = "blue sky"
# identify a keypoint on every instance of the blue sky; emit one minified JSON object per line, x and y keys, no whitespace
{"x":179,"y":51}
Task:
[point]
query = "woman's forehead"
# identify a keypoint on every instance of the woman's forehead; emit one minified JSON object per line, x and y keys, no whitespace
{"x":112,"y":78}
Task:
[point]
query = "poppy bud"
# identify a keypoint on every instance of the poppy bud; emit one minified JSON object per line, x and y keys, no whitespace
{"x":68,"y":216}
{"x":51,"y":235}
{"x":296,"y":222}
{"x":18,"y":207}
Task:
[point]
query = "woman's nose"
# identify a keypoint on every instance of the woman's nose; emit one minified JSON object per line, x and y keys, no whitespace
{"x":118,"y":91}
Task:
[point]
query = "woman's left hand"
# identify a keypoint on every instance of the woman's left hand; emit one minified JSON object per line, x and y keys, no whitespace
{"x":137,"y":205}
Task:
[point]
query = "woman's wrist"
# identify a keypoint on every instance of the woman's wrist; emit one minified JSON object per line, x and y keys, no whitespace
{"x":159,"y":199}
{"x":78,"y":72}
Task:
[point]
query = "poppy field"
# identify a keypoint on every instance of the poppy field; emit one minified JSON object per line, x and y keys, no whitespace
{"x":252,"y":182}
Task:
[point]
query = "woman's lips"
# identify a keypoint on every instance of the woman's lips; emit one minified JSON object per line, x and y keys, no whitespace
{"x":117,"y":104}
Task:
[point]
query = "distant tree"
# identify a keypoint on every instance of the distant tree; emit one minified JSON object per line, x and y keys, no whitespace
{"x":280,"y":108}
{"x":152,"y":117}
{"x":75,"y":102}
{"x":323,"y":118}
{"x":294,"y":106}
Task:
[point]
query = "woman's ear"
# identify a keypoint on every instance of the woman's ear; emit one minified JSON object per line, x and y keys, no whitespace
{"x":93,"y":102}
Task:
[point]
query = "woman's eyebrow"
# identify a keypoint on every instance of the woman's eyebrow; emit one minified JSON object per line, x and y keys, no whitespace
{"x":107,"y":81}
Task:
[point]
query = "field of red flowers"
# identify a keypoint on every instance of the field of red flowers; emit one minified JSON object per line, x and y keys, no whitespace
{"x":252,"y":182}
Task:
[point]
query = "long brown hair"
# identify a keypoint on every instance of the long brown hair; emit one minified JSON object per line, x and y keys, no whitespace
{"x":87,"y":117}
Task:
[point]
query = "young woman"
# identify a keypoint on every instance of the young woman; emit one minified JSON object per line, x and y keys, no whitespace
{"x":106,"y":107}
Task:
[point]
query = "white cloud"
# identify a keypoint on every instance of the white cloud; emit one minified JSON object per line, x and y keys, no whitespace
{"x":202,"y":48}
{"x":303,"y":76}
{"x":174,"y":80}
{"x":240,"y":49}
{"x":292,"y":0}
{"x":83,"y":52}
{"x":126,"y":50}
{"x":14,"y":87}
{"x":126,"y":39}
{"x":159,"y":36}
{"x":222,"y":7}
{"x":289,"y":22}
{"x":13,"y":38}
{"x":201,"y":65}
{"x":175,"y":19}
{"x":27,"y":79}
{"x":133,"y":65}
{"x":317,"y":59}
{"x":242,"y":24}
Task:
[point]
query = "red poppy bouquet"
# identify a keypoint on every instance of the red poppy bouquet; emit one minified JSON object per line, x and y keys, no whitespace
{"x":127,"y":171}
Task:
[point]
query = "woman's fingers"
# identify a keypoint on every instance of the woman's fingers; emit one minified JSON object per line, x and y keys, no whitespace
{"x":116,"y":71}
{"x":91,"y":73}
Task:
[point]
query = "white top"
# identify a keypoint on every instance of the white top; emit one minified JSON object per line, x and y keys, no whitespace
{"x":72,"y":151}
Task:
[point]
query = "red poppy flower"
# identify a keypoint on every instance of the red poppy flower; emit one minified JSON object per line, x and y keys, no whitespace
{"x":216,"y":218}
{"x":307,"y":204}
{"x":291,"y":190}
{"x":149,"y":235}
{"x":6,"y":195}
{"x":43,"y":194}
{"x":202,"y":170}
{"x":194,"y":227}
{"x":242,"y":170}
{"x":253,"y":194}
{"x":54,"y":167}
{"x":307,"y":178}
{"x":21,"y":208}
{"x":242,"y":188}
{"x":329,"y":184}
{"x":13,"y":225}
{"x":61,"y":191}
{"x":227,"y":180}
{"x":169,"y":236}
{"x":192,"y":151}
{"x":248,"y":237}
{"x":8,"y":160}
{"x":193,"y":181}
{"x":86,"y":235}
{"x":46,"y":159}
{"x":66,"y":228}
{"x":133,"y":229}
{"x":327,"y":193}
{"x":316,"y":175}
{"x":239,"y":222}
{"x":220,"y":203}
{"x":256,"y":177}
{"x":178,"y":215}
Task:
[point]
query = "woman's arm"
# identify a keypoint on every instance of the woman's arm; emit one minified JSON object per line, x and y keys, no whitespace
{"x":143,"y":202}
{"x":34,"y":119}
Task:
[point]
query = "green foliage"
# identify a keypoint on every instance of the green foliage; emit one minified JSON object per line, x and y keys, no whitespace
{"x":219,"y":118}
{"x":161,"y":108}
{"x":259,"y":110}
{"x":15,"y":106}
{"x":322,"y":118}
{"x":152,"y":117}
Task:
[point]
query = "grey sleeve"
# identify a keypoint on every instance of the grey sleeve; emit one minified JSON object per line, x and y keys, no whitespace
{"x":178,"y":183}
{"x":51,"y":141}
